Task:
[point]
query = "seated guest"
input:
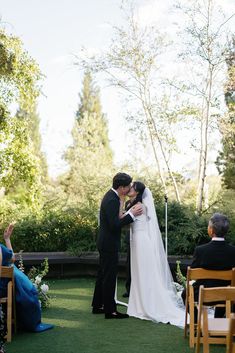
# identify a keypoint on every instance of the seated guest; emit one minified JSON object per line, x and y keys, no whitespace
{"x":28,"y":310}
{"x":2,"y":325}
{"x":215,"y":255}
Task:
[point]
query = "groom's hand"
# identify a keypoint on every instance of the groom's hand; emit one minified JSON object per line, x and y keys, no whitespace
{"x":137,"y":209}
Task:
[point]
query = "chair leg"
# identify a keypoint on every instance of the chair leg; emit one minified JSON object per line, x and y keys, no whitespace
{"x":9,"y":312}
{"x":205,"y":332}
{"x":191,"y":324}
{"x":186,"y":315}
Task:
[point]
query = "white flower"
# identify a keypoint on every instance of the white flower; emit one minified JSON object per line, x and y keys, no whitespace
{"x":44,"y":288}
{"x":38,"y":279}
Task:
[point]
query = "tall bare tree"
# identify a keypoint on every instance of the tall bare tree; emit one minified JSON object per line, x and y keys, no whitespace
{"x":131,"y":64}
{"x":205,"y":53}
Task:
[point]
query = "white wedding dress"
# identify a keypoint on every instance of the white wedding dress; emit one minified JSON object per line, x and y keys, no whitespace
{"x":152,"y":294}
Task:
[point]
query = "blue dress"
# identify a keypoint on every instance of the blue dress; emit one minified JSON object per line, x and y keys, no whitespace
{"x":28,"y":310}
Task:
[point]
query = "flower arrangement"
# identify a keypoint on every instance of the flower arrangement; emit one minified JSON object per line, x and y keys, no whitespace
{"x":36,"y":275}
{"x":179,"y":276}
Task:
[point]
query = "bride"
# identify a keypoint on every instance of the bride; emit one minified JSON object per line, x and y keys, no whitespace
{"x":152,"y":294}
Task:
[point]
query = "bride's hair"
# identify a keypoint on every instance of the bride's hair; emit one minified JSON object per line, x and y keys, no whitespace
{"x":138,"y":187}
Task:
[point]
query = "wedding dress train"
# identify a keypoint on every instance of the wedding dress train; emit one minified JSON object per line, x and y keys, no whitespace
{"x":152,"y":294}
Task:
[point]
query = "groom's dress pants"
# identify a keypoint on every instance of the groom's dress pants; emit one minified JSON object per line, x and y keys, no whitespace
{"x":106,"y":282}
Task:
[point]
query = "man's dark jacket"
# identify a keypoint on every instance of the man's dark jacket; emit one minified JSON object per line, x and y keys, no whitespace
{"x":215,"y":255}
{"x":109,"y":238}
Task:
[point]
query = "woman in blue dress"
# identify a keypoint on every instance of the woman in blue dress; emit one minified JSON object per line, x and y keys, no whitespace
{"x":28,"y":310}
{"x":2,"y":324}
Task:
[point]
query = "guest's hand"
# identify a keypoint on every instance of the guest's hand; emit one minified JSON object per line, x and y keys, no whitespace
{"x":8,"y":231}
{"x":137,"y":209}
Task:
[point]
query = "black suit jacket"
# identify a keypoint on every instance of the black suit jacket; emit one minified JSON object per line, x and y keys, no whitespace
{"x":215,"y":255}
{"x":109,"y":238}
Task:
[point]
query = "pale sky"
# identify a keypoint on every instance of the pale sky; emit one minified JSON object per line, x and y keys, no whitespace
{"x":52,"y":31}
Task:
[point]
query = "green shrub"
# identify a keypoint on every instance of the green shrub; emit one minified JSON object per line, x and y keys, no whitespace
{"x":59,"y":228}
{"x":185,"y":228}
{"x":55,"y":231}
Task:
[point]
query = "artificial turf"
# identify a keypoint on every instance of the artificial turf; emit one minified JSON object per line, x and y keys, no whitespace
{"x":77,"y":330}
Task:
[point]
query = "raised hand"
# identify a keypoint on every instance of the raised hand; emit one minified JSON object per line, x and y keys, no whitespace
{"x":8,"y":231}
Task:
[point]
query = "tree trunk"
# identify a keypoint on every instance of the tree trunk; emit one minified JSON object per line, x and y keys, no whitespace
{"x":204,"y":149}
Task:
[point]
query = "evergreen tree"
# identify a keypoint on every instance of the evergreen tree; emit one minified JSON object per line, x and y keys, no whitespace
{"x":90,"y":156}
{"x":36,"y":143}
{"x":226,"y":160}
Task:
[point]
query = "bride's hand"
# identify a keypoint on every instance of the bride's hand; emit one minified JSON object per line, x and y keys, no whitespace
{"x":137,"y":209}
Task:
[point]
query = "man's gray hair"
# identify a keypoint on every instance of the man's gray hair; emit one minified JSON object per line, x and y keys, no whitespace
{"x":220,"y":224}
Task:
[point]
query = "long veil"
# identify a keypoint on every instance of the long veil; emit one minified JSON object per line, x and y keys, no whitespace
{"x":157,"y":243}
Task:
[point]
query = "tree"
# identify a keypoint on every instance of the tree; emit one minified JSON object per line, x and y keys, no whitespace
{"x":36,"y":142}
{"x":205,"y":39}
{"x":19,"y":77}
{"x":131,"y":65}
{"x":226,"y":159}
{"x":90,"y":156}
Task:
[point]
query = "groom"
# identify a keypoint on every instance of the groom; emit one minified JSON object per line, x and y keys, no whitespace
{"x":108,"y":243}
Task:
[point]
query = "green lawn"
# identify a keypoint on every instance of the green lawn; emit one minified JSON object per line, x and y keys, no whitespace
{"x":77,"y":330}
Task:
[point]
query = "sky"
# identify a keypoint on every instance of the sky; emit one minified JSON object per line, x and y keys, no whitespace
{"x":53,"y":31}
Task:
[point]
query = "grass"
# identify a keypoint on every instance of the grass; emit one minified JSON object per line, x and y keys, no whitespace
{"x":77,"y":330}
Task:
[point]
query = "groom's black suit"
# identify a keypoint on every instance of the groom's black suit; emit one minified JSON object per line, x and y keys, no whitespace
{"x":108,"y":244}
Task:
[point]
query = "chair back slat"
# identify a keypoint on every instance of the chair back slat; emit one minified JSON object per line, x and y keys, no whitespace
{"x":6,"y":272}
{"x":201,"y":273}
{"x":217,"y":294}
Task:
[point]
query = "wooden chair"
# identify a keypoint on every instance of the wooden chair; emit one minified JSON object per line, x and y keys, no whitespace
{"x":9,"y":300}
{"x":190,"y":303}
{"x":231,"y":334}
{"x":213,"y":330}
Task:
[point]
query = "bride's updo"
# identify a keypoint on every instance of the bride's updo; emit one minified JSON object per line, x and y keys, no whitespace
{"x":138,"y":187}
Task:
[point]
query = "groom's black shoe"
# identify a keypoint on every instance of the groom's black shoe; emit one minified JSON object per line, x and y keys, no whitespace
{"x":97,"y":311}
{"x":116,"y":315}
{"x":126,"y":295}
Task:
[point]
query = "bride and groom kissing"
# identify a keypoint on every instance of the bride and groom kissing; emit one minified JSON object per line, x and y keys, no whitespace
{"x":152,"y":294}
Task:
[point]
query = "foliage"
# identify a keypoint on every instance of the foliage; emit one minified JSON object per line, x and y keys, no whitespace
{"x":33,"y":120}
{"x":226,"y":159}
{"x":131,"y":64}
{"x":19,"y":77}
{"x":179,"y":276}
{"x":19,"y":166}
{"x":90,"y":156}
{"x":186,"y":229}
{"x":36,"y":275}
{"x":53,"y":230}
{"x":226,"y":205}
{"x":205,"y":39}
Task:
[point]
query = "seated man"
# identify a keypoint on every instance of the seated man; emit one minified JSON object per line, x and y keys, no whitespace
{"x":215,"y":255}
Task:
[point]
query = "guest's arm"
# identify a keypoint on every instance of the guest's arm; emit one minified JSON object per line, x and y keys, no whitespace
{"x":7,"y":238}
